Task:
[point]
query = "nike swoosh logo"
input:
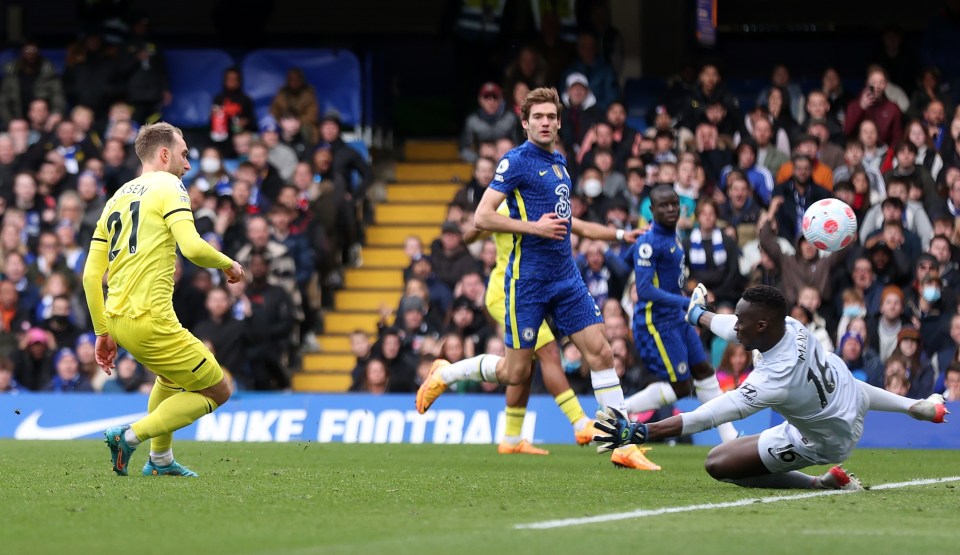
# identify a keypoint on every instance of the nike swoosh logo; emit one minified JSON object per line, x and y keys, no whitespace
{"x":31,"y":429}
{"x":543,"y":173}
{"x":672,"y":249}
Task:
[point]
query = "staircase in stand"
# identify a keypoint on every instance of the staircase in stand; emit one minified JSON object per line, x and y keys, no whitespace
{"x":416,"y":204}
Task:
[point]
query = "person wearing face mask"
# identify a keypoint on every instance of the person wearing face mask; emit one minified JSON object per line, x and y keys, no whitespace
{"x":854,"y":306}
{"x":213,"y":176}
{"x":930,"y":314}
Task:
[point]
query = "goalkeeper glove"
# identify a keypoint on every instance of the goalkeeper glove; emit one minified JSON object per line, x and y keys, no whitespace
{"x":698,"y":304}
{"x":615,"y":430}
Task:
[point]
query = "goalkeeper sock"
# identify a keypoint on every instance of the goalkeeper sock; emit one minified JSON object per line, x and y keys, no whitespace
{"x":178,"y":411}
{"x":885,"y":401}
{"x":160,"y":393}
{"x":654,"y":396}
{"x":568,"y":403}
{"x":164,"y":458}
{"x":481,"y":368}
{"x":514,"y":424}
{"x":707,"y":389}
{"x":606,"y":388}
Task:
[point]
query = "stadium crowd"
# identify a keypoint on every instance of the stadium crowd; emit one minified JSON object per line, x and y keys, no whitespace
{"x":288,"y":188}
{"x":887,"y":304}
{"x":282,"y":194}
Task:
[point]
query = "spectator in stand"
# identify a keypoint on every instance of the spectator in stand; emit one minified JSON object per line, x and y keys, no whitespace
{"x":28,"y":77}
{"x":951,"y":382}
{"x":115,"y":168}
{"x":603,"y":281}
{"x":779,"y":113}
{"x":450,"y":256}
{"x":529,"y":68}
{"x":818,"y":108}
{"x":580,"y":112}
{"x":67,"y":377}
{"x":280,"y":262}
{"x":709,"y":88}
{"x":829,"y":153}
{"x":130,"y":376}
{"x":597,"y":72}
{"x":768,"y":155}
{"x":14,"y":319}
{"x":346,"y":159}
{"x":299,"y":98}
{"x":927,"y":155}
{"x":213,"y":175}
{"x":361,"y":348}
{"x":469,"y":195}
{"x":888,"y":322}
{"x":805,"y":267}
{"x":8,"y":384}
{"x":91,"y":77}
{"x":873,"y":151}
{"x":714,"y":153}
{"x":291,"y":134}
{"x":940,"y":248}
{"x":143,"y":72}
{"x":795,"y":195}
{"x":279,"y":155}
{"x":918,"y":368}
{"x":852,"y":162}
{"x":712,"y":255}
{"x":440,"y":295}
{"x":231,"y":112}
{"x":268,"y":318}
{"x":864,"y":365}
{"x":760,"y":179}
{"x":33,"y":362}
{"x":401,"y":363}
{"x":734,"y":367}
{"x":415,"y":328}
{"x":874,"y":105}
{"x":15,"y":271}
{"x":934,"y":122}
{"x":601,"y":136}
{"x":376,"y":377}
{"x":821,"y":174}
{"x":793,"y":98}
{"x":930,"y":89}
{"x":226,"y":333}
{"x":740,"y":209}
{"x":490,"y":122}
{"x":907,"y":169}
{"x":268,"y":180}
{"x":897,"y":207}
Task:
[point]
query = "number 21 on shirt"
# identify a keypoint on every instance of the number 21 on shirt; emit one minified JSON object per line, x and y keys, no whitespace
{"x":115,"y":229}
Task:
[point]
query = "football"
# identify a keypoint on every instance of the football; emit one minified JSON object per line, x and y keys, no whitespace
{"x":829,"y":225}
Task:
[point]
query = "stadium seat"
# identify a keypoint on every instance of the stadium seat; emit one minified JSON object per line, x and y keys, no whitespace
{"x":335,"y":74}
{"x":196,"y":76}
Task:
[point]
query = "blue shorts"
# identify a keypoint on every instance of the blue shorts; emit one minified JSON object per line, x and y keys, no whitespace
{"x":528,"y":302}
{"x":669,"y":351}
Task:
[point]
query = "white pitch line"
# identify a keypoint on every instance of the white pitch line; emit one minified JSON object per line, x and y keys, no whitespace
{"x":641,"y":513}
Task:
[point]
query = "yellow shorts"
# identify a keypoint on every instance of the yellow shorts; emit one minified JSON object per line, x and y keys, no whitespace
{"x":496,"y":305}
{"x":167,"y":349}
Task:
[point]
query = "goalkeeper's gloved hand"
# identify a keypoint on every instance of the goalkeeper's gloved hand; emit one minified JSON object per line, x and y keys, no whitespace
{"x":615,"y":430}
{"x":698,"y":304}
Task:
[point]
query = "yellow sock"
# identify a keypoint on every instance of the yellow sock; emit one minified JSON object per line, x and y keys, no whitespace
{"x":160,"y":393}
{"x":514,"y":421}
{"x":172,"y":414}
{"x":568,"y":403}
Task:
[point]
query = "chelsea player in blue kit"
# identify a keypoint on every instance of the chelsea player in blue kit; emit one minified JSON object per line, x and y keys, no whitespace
{"x":668,"y":345}
{"x":541,"y":277}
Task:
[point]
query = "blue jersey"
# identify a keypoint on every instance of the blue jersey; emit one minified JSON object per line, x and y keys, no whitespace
{"x":536,"y":182}
{"x":659,"y":267}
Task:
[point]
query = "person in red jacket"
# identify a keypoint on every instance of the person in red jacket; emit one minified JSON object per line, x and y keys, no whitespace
{"x":873,"y":104}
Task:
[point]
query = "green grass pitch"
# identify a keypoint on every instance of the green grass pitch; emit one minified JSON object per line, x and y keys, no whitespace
{"x":302,"y":498}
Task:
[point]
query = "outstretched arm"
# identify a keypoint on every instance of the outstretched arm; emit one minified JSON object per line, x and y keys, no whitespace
{"x":486,"y":218}
{"x":201,"y":253}
{"x":593,"y":230}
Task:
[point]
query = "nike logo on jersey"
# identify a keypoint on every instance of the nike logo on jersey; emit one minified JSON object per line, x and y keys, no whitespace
{"x":543,"y":173}
{"x":672,"y":249}
{"x":31,"y":429}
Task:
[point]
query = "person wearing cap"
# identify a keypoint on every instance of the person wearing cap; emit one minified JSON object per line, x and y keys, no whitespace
{"x":348,"y":163}
{"x":33,"y":362}
{"x":580,"y":111}
{"x":490,"y":122}
{"x":863,"y":364}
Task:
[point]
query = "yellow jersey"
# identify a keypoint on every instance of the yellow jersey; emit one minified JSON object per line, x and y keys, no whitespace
{"x":141,"y":249}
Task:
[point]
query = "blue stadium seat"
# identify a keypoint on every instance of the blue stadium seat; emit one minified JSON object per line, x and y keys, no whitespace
{"x":196,"y":76}
{"x":57,"y":56}
{"x":335,"y":74}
